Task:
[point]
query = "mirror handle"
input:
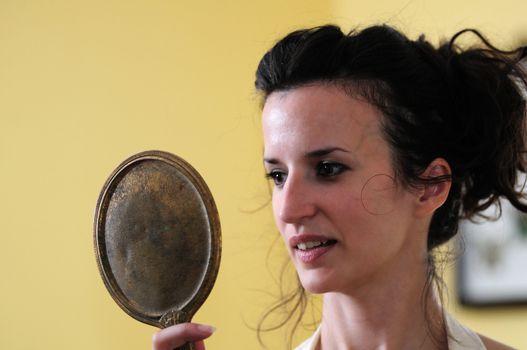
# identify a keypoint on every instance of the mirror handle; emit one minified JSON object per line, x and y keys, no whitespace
{"x":172,"y":318}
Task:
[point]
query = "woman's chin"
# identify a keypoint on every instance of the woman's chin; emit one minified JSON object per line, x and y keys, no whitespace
{"x":315,"y":285}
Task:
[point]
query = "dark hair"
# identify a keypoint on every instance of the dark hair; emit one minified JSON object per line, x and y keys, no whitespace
{"x":463,"y":105}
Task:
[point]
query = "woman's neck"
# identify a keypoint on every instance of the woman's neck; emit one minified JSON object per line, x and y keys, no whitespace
{"x":395,"y":316}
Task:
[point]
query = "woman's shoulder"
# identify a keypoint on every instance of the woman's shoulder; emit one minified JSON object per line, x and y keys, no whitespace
{"x":491,"y":344}
{"x":461,"y":337}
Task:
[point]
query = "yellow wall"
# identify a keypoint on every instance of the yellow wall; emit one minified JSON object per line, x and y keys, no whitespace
{"x":502,"y":21}
{"x":84,"y":84}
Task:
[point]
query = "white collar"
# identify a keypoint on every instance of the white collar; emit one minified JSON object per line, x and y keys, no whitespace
{"x":459,"y":337}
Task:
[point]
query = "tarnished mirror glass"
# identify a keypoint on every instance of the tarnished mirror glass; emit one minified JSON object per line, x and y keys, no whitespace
{"x":157,"y":238}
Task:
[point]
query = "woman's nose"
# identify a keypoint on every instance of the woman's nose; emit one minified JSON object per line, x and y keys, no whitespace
{"x":296,"y":201}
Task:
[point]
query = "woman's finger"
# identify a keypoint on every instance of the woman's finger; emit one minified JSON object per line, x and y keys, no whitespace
{"x":199,"y":345}
{"x":176,"y":336}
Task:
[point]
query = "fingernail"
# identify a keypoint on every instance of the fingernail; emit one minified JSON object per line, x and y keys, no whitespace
{"x":206,"y":329}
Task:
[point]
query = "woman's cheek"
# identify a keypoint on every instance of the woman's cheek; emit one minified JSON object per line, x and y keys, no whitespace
{"x":378,"y":194}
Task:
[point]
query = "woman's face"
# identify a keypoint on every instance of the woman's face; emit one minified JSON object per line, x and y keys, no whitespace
{"x":344,"y":220}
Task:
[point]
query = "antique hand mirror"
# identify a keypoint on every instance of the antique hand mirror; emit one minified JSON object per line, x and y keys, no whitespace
{"x":157,"y":238}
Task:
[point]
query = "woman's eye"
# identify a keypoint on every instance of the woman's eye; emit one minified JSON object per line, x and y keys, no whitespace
{"x":329,"y":169}
{"x":278,"y":177}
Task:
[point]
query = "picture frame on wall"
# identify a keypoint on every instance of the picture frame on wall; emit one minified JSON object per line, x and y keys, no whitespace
{"x":492,"y":269}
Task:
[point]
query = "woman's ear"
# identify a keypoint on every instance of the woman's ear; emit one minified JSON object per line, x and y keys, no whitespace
{"x":433,"y":194}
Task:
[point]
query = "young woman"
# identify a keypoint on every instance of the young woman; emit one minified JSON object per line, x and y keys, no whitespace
{"x":377,"y":146}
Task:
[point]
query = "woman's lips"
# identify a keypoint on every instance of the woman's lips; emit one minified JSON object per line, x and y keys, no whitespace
{"x":308,"y":247}
{"x":310,"y":255}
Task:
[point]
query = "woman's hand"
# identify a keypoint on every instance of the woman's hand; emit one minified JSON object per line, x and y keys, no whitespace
{"x":175,"y":336}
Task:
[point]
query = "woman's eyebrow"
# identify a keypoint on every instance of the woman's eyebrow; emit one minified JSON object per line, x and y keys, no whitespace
{"x":312,"y":154}
{"x":271,"y":160}
{"x":324,"y":151}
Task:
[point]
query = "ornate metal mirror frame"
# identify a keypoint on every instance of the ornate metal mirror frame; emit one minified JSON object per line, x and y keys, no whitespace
{"x":157,"y":238}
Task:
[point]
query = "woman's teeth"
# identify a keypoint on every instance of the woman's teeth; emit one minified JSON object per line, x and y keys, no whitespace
{"x":309,"y":245}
